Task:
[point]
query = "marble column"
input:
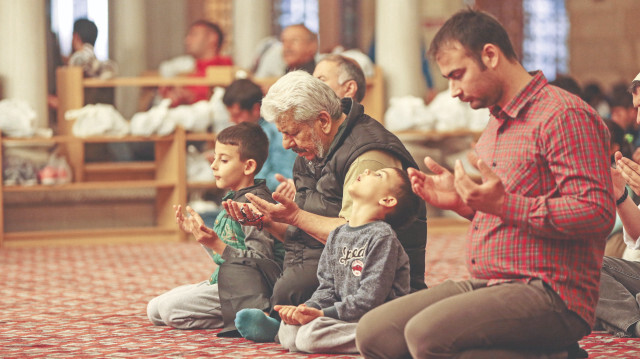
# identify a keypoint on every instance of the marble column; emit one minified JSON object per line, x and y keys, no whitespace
{"x":23,"y":54}
{"x":127,"y":40}
{"x":398,"y":47}
{"x":251,"y":23}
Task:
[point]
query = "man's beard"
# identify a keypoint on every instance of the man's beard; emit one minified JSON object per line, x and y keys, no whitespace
{"x":320,"y":151}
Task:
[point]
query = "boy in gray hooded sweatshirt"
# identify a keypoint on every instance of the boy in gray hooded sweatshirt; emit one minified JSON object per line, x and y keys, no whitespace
{"x":363,"y":265}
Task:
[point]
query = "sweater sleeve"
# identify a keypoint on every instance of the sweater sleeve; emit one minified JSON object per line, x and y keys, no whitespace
{"x":384,"y":258}
{"x":325,"y":295}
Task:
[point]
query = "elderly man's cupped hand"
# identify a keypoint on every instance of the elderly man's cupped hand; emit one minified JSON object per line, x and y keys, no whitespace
{"x":261,"y":213}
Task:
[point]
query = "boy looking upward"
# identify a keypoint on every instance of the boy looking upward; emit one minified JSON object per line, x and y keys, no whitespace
{"x":240,"y":152}
{"x":362,"y":266}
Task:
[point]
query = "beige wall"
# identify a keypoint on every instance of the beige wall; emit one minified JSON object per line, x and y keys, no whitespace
{"x":603,"y":44}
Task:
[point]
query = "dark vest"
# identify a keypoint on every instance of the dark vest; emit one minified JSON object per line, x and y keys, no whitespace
{"x":319,"y":185}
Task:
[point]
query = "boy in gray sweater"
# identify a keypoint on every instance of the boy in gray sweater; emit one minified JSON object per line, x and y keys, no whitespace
{"x":363,"y":265}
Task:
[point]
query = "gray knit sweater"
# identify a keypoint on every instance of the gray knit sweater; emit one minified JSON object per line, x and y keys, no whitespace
{"x":360,"y":268}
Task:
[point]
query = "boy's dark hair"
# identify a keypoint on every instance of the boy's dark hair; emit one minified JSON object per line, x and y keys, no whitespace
{"x":244,"y":92}
{"x":213,"y":27}
{"x":473,"y":29}
{"x":408,"y":202}
{"x":87,"y":30}
{"x":251,"y":140}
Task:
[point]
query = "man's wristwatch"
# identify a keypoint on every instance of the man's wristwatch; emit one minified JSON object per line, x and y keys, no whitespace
{"x":623,"y":197}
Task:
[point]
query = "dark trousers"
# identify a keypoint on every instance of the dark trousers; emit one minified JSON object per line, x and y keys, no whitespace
{"x":261,"y":284}
{"x":618,"y":309}
{"x":469,"y":319}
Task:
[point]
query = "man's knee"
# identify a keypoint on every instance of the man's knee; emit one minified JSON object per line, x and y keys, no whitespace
{"x":153,"y":314}
{"x":294,"y":287}
{"x":369,"y":334}
{"x":424,"y":339}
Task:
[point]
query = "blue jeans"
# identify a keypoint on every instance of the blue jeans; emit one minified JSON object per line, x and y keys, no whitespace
{"x":617,"y":309}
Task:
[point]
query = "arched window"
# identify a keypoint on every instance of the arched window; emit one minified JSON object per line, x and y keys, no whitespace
{"x":546,"y":29}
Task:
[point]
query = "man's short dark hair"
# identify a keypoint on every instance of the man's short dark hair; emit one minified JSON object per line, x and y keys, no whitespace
{"x":408,"y":202}
{"x":212,"y":27}
{"x":473,"y":29}
{"x":351,"y":70}
{"x":244,"y":92}
{"x":251,"y":140}
{"x":87,"y":30}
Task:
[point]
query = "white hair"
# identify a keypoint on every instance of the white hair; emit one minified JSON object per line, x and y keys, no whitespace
{"x":300,"y":97}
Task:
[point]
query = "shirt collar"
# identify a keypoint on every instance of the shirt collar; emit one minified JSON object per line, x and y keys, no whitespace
{"x":234,"y":195}
{"x":518,"y":102}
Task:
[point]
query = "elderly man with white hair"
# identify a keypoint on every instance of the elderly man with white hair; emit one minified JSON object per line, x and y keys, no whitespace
{"x":335,"y":141}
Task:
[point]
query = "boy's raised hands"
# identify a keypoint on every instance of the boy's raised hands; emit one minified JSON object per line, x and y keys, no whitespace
{"x":195,"y":226}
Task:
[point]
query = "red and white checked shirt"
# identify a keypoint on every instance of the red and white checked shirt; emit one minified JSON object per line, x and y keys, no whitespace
{"x":550,"y":149}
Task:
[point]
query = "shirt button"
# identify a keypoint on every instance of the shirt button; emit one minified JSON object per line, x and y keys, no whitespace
{"x":493,"y":164}
{"x":475,"y":227}
{"x":473,"y":261}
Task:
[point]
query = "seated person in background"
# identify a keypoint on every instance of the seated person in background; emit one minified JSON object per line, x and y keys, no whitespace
{"x":617,"y":141}
{"x":617,"y":310}
{"x":299,"y":46}
{"x":242,"y":99}
{"x":568,"y":83}
{"x":624,"y":114}
{"x":362,"y":266}
{"x":343,"y":75}
{"x":203,"y":41}
{"x":240,"y":151}
{"x":85,"y":33}
{"x":615,"y":244}
{"x":593,"y":95}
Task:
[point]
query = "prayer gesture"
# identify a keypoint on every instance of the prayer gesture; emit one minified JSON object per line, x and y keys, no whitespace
{"x":438,"y":189}
{"x":286,"y":187}
{"x":487,"y":197}
{"x":195,"y":225}
{"x":299,"y":315}
{"x":286,"y":211}
{"x":245,"y":214}
{"x":630,"y":171}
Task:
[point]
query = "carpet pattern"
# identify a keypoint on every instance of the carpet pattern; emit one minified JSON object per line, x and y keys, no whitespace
{"x":90,"y":301}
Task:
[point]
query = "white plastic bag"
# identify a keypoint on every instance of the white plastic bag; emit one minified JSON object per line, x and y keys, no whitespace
{"x":194,"y":118}
{"x":407,"y":112}
{"x":221,"y":118}
{"x":198,"y":167}
{"x":177,"y":66}
{"x":17,"y":118}
{"x":150,"y":122}
{"x":97,"y":120}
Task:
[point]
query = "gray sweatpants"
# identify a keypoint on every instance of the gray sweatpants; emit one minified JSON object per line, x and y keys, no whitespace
{"x":321,"y":335}
{"x":191,"y":306}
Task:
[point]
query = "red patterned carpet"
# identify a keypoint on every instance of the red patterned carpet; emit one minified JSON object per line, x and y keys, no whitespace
{"x":89,"y":301}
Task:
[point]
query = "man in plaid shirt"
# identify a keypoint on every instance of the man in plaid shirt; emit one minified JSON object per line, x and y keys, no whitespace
{"x":539,"y":217}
